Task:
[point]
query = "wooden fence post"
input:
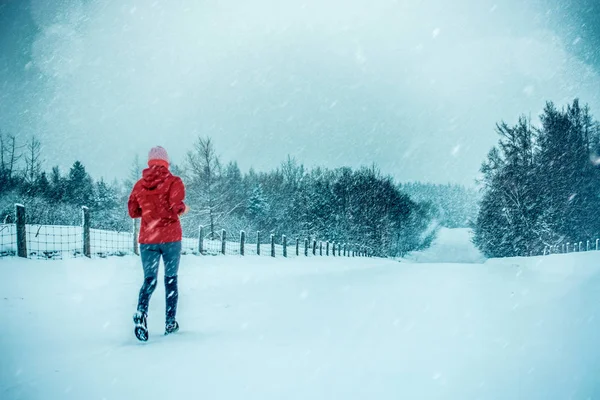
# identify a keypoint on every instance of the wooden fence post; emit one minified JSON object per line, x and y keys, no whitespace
{"x":136,"y":232}
{"x":333,"y":248}
{"x":258,"y":243}
{"x":339,"y":249}
{"x":297,"y":246}
{"x":314,"y":247}
{"x":201,"y":239}
{"x":272,"y":245}
{"x":327,"y":248}
{"x":21,"y":230}
{"x":321,"y":248}
{"x":580,"y":246}
{"x":568,"y":247}
{"x":306,"y":247}
{"x":242,"y":242}
{"x":284,"y":243}
{"x":223,"y":241}
{"x":597,"y":243}
{"x":85,"y":216}
{"x":588,"y":246}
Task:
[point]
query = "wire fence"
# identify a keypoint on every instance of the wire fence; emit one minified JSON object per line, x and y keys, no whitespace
{"x":8,"y":240}
{"x":105,"y":243}
{"x":577,"y":247}
{"x":54,"y":241}
{"x":58,"y":241}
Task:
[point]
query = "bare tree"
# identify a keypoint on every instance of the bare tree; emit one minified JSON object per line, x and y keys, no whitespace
{"x":33,"y":162}
{"x":204,"y":170}
{"x":135,"y":172}
{"x":9,"y":157}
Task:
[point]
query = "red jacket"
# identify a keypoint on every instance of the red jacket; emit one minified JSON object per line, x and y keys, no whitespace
{"x":158,"y":199}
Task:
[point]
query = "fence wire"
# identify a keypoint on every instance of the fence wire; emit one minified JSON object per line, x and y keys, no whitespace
{"x":189,"y":246}
{"x":58,"y":242}
{"x":109,"y":243}
{"x":8,"y":240}
{"x":54,"y":241}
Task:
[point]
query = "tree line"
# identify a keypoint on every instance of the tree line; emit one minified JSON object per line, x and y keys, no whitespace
{"x":55,"y":198}
{"x":541,"y":184}
{"x":455,"y":206}
{"x":355,"y":206}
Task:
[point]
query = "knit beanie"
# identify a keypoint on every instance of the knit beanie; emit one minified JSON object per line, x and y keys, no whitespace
{"x":158,"y":156}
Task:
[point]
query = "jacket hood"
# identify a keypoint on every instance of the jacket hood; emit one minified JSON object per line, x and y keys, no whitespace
{"x":154,"y":176}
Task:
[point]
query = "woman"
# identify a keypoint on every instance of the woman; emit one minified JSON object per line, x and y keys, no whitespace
{"x":157,"y":199}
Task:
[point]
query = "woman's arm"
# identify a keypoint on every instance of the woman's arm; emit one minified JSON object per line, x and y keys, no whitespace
{"x":135,"y":211}
{"x":176,"y":196}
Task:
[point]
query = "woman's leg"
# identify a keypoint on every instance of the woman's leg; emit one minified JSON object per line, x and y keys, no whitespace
{"x":150,"y":255}
{"x":171,"y":253}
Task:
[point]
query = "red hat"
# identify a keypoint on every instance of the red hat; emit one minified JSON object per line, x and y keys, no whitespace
{"x":158,"y":156}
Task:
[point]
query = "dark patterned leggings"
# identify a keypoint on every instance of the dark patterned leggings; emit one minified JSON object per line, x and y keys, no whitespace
{"x":151,"y":254}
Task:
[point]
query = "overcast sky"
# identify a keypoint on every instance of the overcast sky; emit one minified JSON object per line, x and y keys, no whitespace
{"x":415,"y":86}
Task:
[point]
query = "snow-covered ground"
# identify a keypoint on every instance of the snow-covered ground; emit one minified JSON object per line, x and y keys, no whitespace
{"x":316,"y":328}
{"x":450,"y":246}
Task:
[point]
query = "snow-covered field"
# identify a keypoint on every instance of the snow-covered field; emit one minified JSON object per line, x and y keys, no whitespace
{"x":335,"y":328}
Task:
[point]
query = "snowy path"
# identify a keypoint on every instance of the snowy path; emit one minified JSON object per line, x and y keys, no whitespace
{"x":259,"y":328}
{"x":450,"y":246}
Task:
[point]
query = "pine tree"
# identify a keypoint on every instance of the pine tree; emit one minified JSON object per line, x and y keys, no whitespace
{"x":540,"y":186}
{"x":58,"y":186}
{"x":258,"y":207}
{"x":80,"y":189}
{"x":42,"y":185}
{"x":106,"y":197}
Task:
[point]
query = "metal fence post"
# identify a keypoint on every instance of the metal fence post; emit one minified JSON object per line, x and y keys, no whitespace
{"x":21,"y":230}
{"x":85,"y":216}
{"x":272,"y":245}
{"x":242,"y":242}
{"x":223,"y":241}
{"x":258,"y":243}
{"x":201,"y":239}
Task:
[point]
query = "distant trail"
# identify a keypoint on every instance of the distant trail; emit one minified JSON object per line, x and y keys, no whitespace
{"x":450,"y":246}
